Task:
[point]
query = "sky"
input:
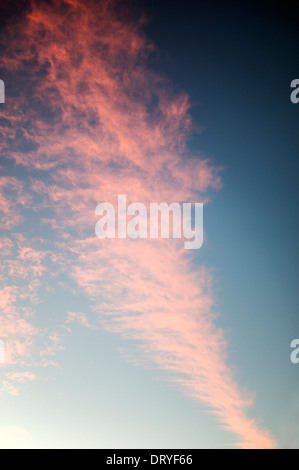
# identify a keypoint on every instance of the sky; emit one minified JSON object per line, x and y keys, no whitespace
{"x":120,"y":343}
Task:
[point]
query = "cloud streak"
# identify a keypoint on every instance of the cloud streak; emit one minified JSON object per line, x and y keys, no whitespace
{"x":91,"y":121}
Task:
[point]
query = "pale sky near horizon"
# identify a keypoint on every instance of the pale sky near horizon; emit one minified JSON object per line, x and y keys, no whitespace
{"x":140,"y":343}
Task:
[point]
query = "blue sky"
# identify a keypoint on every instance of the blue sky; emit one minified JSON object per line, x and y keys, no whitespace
{"x":235,"y":62}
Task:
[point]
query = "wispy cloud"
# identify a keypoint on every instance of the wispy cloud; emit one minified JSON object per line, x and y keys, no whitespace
{"x":90,"y":122}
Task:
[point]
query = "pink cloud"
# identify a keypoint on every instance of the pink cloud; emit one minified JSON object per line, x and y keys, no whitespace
{"x":7,"y":387}
{"x":12,"y":197}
